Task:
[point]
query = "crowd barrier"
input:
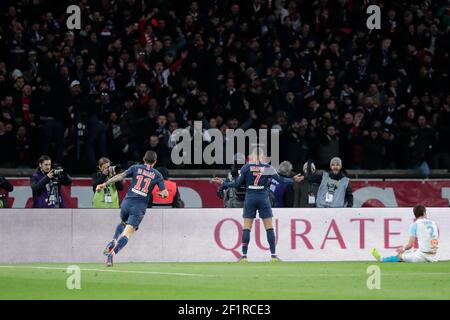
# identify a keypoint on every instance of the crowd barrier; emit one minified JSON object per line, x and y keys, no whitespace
{"x":200,"y":193}
{"x":200,"y":235}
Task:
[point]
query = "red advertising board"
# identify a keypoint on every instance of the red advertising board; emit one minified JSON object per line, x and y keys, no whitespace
{"x":200,"y":193}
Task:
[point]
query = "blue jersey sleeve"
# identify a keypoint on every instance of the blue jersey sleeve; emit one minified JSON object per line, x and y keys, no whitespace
{"x":236,"y":183}
{"x":130,"y":171}
{"x":413,"y":230}
{"x":160,"y":182}
{"x":279,"y":178}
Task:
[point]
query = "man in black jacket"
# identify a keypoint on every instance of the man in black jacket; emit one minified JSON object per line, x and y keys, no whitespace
{"x":46,"y":185}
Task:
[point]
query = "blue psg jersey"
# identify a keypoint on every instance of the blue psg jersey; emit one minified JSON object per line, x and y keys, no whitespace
{"x":257,"y":177}
{"x":144,"y":178}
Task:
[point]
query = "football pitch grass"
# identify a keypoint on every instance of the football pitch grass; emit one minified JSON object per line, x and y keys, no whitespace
{"x":252,"y":280}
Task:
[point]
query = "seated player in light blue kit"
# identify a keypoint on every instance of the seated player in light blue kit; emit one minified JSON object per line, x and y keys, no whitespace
{"x":426,"y":232}
{"x":132,"y":210}
{"x":257,"y":175}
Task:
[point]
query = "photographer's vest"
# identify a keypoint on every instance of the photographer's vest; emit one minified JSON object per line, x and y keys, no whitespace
{"x":108,"y":197}
{"x":157,"y":200}
{"x":331,"y":192}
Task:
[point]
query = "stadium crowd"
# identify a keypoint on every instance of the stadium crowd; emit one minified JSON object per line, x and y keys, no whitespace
{"x":138,"y":69}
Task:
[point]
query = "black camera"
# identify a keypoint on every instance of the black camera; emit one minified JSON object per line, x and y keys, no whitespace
{"x":241,"y":190}
{"x":115,"y":169}
{"x":58,"y":171}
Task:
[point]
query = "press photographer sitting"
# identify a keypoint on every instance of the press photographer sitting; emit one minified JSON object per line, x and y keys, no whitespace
{"x":108,"y":197}
{"x":46,"y":184}
{"x":5,"y":187}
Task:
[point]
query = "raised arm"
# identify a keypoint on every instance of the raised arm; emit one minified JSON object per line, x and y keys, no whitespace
{"x":236,"y":183}
{"x":277,"y":177}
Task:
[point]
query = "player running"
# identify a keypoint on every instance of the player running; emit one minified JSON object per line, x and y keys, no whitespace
{"x":256,"y":175}
{"x":427,"y":234}
{"x":133,"y":207}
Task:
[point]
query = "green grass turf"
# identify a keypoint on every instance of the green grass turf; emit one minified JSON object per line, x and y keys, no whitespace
{"x":282,"y":280}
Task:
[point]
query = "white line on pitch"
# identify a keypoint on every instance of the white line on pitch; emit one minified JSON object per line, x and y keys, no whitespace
{"x":299,"y":275}
{"x":361,"y":275}
{"x":116,"y":271}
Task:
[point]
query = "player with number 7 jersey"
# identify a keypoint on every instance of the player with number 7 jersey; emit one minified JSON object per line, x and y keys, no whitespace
{"x":143,"y":179}
{"x":257,"y":175}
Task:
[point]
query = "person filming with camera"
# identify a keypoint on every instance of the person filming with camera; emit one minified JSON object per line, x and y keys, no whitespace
{"x":107,"y":197}
{"x":46,"y":184}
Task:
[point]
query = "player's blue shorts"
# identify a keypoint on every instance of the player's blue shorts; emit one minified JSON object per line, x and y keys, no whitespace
{"x":132,"y":212}
{"x":260,"y":203}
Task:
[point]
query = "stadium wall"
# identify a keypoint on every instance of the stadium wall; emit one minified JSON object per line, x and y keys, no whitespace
{"x":199,"y":193}
{"x":199,"y":235}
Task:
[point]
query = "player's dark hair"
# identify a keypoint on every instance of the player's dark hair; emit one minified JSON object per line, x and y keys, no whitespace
{"x":150,"y":157}
{"x":419,"y":211}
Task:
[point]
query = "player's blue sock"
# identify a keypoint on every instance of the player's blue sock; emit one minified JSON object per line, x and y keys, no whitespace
{"x":122,"y":242}
{"x":245,"y":241}
{"x":390,"y":259}
{"x":271,"y":240}
{"x":119,"y":229}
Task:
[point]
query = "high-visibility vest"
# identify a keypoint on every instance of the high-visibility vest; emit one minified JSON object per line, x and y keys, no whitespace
{"x":171,"y":187}
{"x":106,"y":198}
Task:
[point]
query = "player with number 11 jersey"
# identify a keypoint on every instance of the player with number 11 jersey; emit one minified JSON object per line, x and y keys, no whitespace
{"x":133,"y":208}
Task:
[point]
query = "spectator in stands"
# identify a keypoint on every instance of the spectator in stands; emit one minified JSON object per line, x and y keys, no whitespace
{"x":173,"y":200}
{"x":335,"y":189}
{"x":328,"y":146}
{"x":269,"y":64}
{"x":7,"y":141}
{"x":373,"y":150}
{"x":108,"y":197}
{"x":5,"y":188}
{"x":160,"y":148}
{"x":46,"y":184}
{"x":416,"y":150}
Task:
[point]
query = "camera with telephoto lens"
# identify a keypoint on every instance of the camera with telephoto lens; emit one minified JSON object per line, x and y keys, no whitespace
{"x":58,"y":172}
{"x":115,"y":169}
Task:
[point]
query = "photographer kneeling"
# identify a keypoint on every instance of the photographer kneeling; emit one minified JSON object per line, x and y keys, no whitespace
{"x":335,"y":190}
{"x":46,"y":184}
{"x":107,"y":197}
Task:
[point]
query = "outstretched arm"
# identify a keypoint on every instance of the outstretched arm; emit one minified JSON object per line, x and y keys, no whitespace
{"x":116,"y":178}
{"x":296,"y":178}
{"x":232,"y":184}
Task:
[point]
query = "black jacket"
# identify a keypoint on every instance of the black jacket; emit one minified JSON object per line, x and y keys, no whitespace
{"x":6,"y":185}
